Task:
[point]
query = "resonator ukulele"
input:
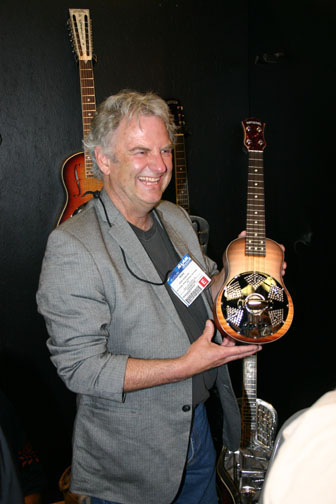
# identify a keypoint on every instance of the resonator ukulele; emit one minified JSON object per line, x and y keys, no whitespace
{"x":254,"y":305}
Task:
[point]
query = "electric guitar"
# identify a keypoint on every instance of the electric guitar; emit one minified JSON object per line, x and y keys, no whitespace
{"x":201,"y":226}
{"x":77,"y":176}
{"x":254,"y":305}
{"x":240,"y":474}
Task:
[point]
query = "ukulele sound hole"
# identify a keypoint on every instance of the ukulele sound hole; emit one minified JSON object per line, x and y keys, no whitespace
{"x":254,"y":304}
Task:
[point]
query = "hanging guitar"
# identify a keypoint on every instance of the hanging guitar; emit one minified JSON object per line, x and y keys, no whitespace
{"x":241,"y":474}
{"x":254,"y":305}
{"x":77,"y":176}
{"x":201,"y":226}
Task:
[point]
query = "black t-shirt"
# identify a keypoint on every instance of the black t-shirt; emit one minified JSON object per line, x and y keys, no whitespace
{"x":162,"y":253}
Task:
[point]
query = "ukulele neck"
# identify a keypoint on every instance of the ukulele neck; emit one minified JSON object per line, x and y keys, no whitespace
{"x":255,"y":220}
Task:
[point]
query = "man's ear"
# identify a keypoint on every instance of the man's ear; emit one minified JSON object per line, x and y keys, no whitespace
{"x":103,"y":160}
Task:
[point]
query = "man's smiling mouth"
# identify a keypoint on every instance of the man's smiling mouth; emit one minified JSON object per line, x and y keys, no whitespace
{"x":150,"y":180}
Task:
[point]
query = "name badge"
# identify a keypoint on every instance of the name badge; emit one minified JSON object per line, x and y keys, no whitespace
{"x":188,"y":280}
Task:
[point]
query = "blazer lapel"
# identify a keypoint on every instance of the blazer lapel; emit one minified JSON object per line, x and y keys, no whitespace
{"x":182,"y":249}
{"x":136,"y":258}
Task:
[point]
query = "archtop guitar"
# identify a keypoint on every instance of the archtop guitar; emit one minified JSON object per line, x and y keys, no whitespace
{"x":77,"y":176}
{"x":254,"y":305}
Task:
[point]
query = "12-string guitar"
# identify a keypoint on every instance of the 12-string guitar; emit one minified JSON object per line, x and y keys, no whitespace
{"x":241,"y":474}
{"x":77,"y":176}
{"x":254,"y":305}
{"x":201,"y":226}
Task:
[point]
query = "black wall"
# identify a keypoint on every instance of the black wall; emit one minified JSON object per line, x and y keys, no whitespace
{"x":224,"y":61}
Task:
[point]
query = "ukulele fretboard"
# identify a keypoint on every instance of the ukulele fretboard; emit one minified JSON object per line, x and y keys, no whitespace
{"x":255,"y":223}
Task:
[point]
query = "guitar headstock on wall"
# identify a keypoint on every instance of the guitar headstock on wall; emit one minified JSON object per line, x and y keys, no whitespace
{"x":254,"y":139}
{"x":80,"y":27}
{"x":176,"y":109}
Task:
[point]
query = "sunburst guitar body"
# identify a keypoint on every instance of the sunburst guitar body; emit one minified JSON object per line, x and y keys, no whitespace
{"x":254,"y":305}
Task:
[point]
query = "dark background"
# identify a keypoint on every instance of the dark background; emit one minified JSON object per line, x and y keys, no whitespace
{"x":224,"y":61}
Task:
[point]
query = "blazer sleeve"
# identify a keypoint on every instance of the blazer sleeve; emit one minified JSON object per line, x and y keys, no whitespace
{"x":76,"y":313}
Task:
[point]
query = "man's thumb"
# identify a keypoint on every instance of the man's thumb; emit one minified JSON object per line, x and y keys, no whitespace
{"x":209,"y":330}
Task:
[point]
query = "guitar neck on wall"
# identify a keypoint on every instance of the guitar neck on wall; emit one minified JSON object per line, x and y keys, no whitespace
{"x":201,"y":226}
{"x":254,"y":305}
{"x":77,"y":176}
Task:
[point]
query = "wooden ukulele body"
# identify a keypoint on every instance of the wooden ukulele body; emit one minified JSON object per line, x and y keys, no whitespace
{"x":254,"y":305}
{"x":236,"y":261}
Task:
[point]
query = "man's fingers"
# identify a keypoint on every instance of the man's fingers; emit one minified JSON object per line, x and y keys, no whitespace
{"x":241,"y":351}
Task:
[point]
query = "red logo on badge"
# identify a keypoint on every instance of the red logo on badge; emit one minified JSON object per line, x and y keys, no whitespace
{"x":203,"y":281}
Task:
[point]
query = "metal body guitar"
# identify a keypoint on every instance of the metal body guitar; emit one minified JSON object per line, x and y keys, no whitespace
{"x":254,"y":305}
{"x":241,"y":474}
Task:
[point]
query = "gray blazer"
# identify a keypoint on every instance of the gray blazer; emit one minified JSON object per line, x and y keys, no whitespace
{"x":132,"y":447}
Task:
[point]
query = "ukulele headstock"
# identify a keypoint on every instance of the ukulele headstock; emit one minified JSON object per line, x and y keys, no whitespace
{"x":254,"y":138}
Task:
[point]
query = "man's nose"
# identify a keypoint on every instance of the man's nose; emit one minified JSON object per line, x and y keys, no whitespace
{"x":160,"y":162}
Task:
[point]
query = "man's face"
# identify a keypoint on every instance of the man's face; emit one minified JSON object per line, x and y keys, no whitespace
{"x":140,"y":168}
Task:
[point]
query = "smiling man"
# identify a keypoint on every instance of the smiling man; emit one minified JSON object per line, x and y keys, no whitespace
{"x":137,"y":347}
{"x":140,"y":168}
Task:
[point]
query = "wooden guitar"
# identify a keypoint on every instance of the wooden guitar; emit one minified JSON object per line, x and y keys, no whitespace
{"x":240,"y":474}
{"x":254,"y":305}
{"x":201,"y":226}
{"x":77,"y":176}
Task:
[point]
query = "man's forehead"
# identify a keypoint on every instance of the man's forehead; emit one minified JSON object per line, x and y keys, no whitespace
{"x":135,"y":126}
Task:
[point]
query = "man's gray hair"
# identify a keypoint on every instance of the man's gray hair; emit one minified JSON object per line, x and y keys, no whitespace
{"x":125,"y":104}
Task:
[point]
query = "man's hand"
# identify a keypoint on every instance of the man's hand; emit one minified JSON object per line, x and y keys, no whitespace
{"x":203,"y":354}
